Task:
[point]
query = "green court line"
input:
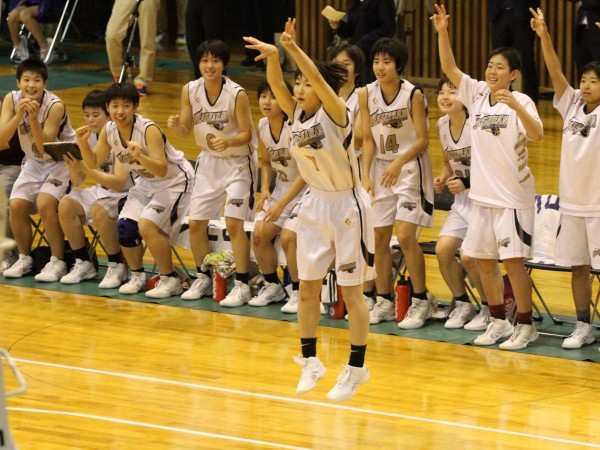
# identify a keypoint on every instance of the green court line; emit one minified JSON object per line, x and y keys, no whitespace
{"x":433,"y":330}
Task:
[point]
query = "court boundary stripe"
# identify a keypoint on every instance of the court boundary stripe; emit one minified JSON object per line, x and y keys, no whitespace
{"x":311,"y":403}
{"x":157,"y":427}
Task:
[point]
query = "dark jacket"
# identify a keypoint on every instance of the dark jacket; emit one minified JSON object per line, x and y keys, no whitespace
{"x":520,"y":9}
{"x":367,"y":21}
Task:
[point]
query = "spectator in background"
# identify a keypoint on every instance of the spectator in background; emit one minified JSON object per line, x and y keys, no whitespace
{"x":510,"y":28}
{"x":116,"y":30}
{"x":30,"y":13}
{"x":163,"y":22}
{"x":365,"y":22}
{"x":587,"y":36}
{"x":203,"y":22}
{"x":258,"y":20}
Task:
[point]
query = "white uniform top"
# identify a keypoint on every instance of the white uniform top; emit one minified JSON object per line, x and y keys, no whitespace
{"x":108,"y":166}
{"x":392,"y":124}
{"x":218,"y":119}
{"x":320,"y":147}
{"x":65,"y":132}
{"x":352,"y":105}
{"x":579,"y":188}
{"x":500,"y":176}
{"x":283,"y":164}
{"x":180,"y":173}
{"x":458,"y":154}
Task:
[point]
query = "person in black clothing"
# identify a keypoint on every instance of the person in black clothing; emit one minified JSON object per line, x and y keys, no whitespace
{"x":510,"y":28}
{"x":203,"y":21}
{"x":258,"y":20}
{"x":587,"y":36}
{"x":365,"y":22}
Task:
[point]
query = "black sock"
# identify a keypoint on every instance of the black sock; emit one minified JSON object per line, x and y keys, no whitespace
{"x":357,"y":355}
{"x":462,"y":298}
{"x":420,"y":295}
{"x":271,"y":277}
{"x":524,"y":318}
{"x":242,"y":277}
{"x":172,"y":274}
{"x":140,"y":270}
{"x":203,"y":272}
{"x":309,"y":347}
{"x":116,"y":258}
{"x":387,"y":296}
{"x":82,"y":254}
{"x":295,"y":285}
{"x":370,"y":294}
{"x":584,"y":316}
{"x":497,"y":311}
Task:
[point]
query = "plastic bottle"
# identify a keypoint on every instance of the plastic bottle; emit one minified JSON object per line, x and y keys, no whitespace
{"x":219,"y":286}
{"x":337,"y":310}
{"x":402,"y":298}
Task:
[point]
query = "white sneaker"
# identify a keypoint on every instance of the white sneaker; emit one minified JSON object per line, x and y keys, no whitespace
{"x":291,"y":307}
{"x":523,"y":335}
{"x":53,"y":271}
{"x":8,"y":261}
{"x":370,"y":302}
{"x":82,"y":270}
{"x":582,"y":335}
{"x":417,"y":314}
{"x":324,"y":309}
{"x":239,"y":295}
{"x":496,"y":329}
{"x":166,"y":287}
{"x":348,"y":382}
{"x":462,"y":313}
{"x":136,"y":283}
{"x":21,"y":267}
{"x":269,"y":293}
{"x":201,"y":287}
{"x":22,"y":51}
{"x":481,"y":321}
{"x":115,"y":276}
{"x":312,"y":371}
{"x":382,"y":311}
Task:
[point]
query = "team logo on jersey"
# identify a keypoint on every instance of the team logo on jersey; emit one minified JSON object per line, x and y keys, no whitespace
{"x":280,"y":155}
{"x":504,"y":242}
{"x":55,"y":182}
{"x":310,"y":137}
{"x":491,"y":123}
{"x":235,"y":201}
{"x":393,"y":119}
{"x":411,"y":206}
{"x":460,"y":155}
{"x":281,"y":176}
{"x":596,"y":252}
{"x":24,"y":128}
{"x":215,"y":119}
{"x":126,"y":158}
{"x":583,"y":129}
{"x":158,"y":208}
{"x":350,"y":267}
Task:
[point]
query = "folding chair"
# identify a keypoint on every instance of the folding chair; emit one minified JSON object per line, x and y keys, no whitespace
{"x":62,"y":26}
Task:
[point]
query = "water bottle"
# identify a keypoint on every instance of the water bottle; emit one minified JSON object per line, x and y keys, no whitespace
{"x":402,"y":298}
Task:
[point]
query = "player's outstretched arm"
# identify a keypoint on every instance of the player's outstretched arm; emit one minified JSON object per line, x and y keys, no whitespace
{"x":449,"y":67}
{"x":332,"y":103}
{"x":559,"y":81}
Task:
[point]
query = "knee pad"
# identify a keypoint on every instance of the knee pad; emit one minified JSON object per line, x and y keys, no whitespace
{"x":129,"y":235}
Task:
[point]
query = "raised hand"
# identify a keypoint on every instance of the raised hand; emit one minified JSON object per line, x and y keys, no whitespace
{"x":507,"y":97}
{"x":262,"y":47}
{"x":440,"y":18}
{"x":173,"y":122}
{"x":537,"y":22}
{"x":287,"y":37}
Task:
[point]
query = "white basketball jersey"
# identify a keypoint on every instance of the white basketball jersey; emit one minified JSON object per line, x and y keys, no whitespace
{"x":218,"y":119}
{"x":457,"y":153}
{"x":392,"y":124}
{"x":283,"y":164}
{"x":65,"y":132}
{"x":180,"y":173}
{"x":500,"y":175}
{"x":579,"y":186}
{"x":108,"y":166}
{"x":322,"y":150}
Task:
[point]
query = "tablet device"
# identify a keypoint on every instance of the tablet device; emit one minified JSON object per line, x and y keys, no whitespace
{"x":58,"y":149}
